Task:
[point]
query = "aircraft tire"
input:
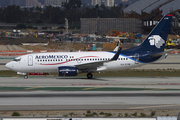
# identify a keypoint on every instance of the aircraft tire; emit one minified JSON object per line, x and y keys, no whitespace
{"x":25,"y":77}
{"x":89,"y":76}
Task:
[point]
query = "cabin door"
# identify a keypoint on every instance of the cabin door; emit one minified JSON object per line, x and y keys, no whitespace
{"x":30,"y":60}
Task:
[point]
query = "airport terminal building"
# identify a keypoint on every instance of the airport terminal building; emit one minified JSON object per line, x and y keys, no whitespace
{"x":140,"y":17}
{"x":102,"y":26}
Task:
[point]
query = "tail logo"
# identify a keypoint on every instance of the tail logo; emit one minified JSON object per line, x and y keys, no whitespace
{"x":156,"y":40}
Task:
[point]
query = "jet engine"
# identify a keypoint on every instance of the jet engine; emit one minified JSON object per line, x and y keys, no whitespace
{"x":67,"y":71}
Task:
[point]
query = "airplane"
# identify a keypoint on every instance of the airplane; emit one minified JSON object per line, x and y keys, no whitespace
{"x":73,"y":63}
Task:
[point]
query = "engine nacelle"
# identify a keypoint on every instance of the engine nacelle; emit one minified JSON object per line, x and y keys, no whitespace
{"x":67,"y":71}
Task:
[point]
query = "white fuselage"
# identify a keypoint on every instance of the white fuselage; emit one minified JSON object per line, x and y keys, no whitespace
{"x":49,"y":62}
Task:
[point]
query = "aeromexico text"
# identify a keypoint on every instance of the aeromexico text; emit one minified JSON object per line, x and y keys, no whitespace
{"x":51,"y":57}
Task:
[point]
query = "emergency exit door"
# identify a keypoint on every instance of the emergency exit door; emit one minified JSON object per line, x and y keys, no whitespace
{"x":30,"y":60}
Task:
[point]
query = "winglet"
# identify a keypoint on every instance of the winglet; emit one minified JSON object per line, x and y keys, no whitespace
{"x":115,"y":57}
{"x":116,"y":49}
{"x":169,"y":15}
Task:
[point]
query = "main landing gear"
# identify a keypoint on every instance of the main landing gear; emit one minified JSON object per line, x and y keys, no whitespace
{"x":89,"y":76}
{"x":25,"y":77}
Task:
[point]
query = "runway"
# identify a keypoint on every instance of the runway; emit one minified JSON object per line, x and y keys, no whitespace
{"x":110,"y":93}
{"x":91,"y":100}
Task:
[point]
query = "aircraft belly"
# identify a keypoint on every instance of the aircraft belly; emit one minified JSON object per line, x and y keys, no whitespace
{"x":27,"y":70}
{"x":46,"y":68}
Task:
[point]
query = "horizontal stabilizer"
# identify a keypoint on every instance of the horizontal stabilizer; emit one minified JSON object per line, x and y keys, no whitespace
{"x":161,"y":53}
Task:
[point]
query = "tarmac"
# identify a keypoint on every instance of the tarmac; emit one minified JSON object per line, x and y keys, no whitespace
{"x":110,"y":93}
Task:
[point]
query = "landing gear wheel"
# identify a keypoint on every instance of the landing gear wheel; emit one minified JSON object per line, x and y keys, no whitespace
{"x":89,"y":76}
{"x":25,"y":77}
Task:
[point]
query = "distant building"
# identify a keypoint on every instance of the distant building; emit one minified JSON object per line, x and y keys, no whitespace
{"x":32,"y":3}
{"x":54,"y":2}
{"x":17,"y":2}
{"x":109,"y":3}
{"x":95,"y":2}
{"x":104,"y":25}
{"x":124,"y":0}
{"x":151,"y":11}
{"x":148,"y":6}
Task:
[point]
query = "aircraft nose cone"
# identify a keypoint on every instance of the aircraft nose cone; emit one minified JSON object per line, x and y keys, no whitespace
{"x":8,"y":65}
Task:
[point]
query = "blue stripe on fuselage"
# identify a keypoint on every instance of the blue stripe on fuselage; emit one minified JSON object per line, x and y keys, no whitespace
{"x":141,"y":57}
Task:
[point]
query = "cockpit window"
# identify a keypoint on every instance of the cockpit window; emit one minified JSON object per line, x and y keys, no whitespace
{"x":17,"y":59}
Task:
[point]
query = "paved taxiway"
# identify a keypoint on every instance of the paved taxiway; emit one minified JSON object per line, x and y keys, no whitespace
{"x":157,"y":83}
{"x":162,"y":93}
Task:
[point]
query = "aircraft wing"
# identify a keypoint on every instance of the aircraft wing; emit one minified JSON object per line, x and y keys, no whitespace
{"x":94,"y":65}
{"x":161,"y":53}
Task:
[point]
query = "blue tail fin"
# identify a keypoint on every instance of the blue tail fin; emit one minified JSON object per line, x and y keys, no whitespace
{"x":156,"y":40}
